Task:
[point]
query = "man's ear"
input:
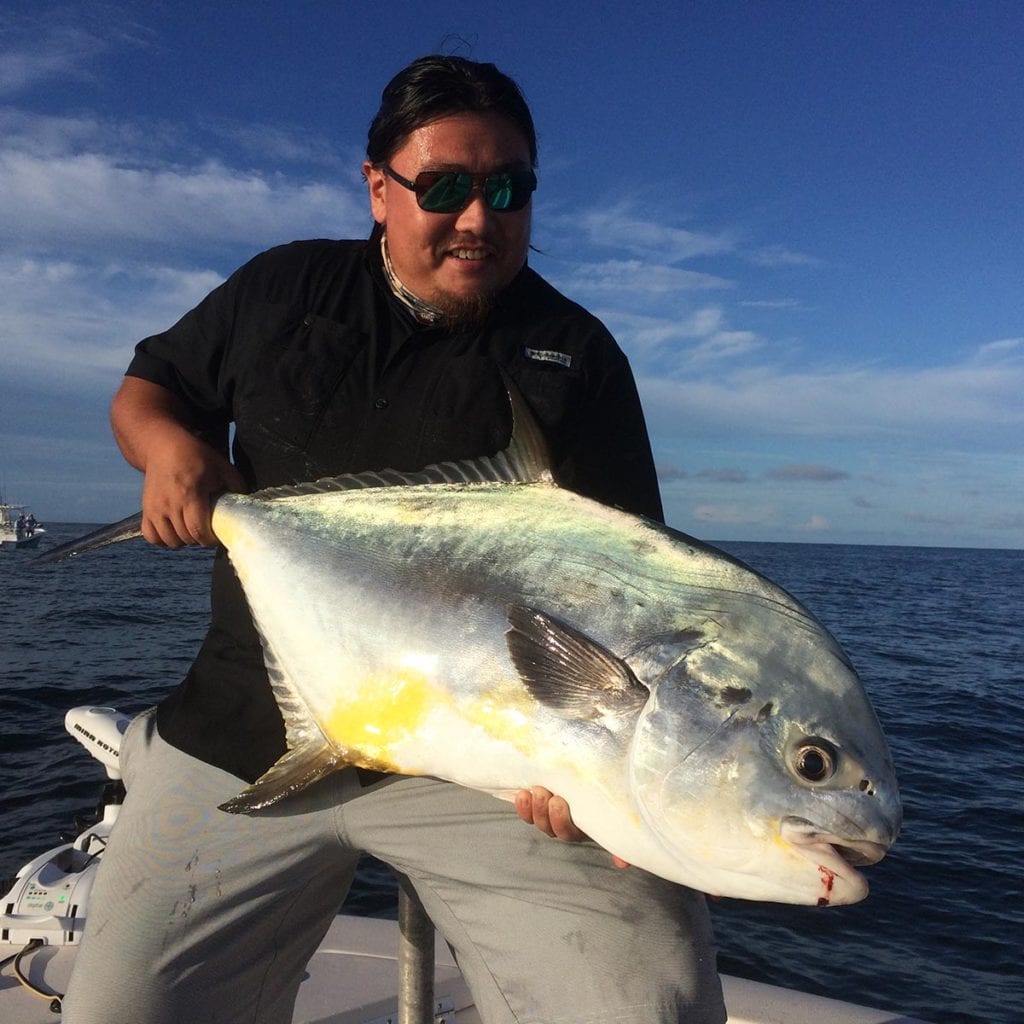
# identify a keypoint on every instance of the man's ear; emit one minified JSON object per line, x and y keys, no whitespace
{"x":376,"y":182}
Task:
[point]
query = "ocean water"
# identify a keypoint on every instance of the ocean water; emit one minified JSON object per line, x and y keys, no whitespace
{"x":936,"y":634}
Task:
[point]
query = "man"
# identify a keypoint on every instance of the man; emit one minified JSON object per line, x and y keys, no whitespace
{"x":331,"y":357}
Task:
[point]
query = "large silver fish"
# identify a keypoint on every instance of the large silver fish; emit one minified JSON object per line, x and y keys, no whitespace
{"x":478,"y":623}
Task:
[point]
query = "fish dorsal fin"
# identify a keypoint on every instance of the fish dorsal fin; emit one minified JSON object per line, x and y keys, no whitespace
{"x":525,"y":460}
{"x":567,"y":671}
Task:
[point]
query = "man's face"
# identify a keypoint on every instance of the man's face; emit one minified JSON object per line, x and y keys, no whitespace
{"x":451,"y":259}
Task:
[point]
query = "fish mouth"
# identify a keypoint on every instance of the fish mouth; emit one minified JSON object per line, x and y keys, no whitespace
{"x":839,"y":854}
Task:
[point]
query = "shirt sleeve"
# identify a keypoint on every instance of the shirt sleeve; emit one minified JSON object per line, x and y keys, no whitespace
{"x":188,"y":358}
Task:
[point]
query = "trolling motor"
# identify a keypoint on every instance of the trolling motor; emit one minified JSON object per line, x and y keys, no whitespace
{"x":45,"y":903}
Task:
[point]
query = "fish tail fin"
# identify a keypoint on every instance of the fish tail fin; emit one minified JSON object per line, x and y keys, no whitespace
{"x":124,"y":529}
{"x":292,"y":772}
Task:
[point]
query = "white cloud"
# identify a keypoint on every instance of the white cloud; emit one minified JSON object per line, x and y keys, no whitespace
{"x":779,"y":304}
{"x":967,"y":402}
{"x":674,"y":346}
{"x":734,"y":515}
{"x":816,"y":523}
{"x":62,"y":321}
{"x":783,"y":256}
{"x":1000,"y":349}
{"x":637,"y":278}
{"x":78,"y":200}
{"x":272,"y":144}
{"x":62,"y":52}
{"x":618,"y":227}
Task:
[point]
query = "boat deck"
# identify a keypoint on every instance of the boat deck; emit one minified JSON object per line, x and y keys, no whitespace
{"x":353,"y":979}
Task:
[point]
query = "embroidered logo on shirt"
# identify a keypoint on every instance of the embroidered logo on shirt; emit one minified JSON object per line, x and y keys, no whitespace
{"x":546,"y":356}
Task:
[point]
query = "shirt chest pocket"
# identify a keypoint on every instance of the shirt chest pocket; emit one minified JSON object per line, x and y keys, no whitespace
{"x":296,"y":369}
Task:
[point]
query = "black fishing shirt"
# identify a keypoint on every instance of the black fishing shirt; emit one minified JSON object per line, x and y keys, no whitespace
{"x":322,"y":371}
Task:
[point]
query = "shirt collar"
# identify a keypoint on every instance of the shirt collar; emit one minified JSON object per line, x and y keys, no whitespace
{"x":422,"y":311}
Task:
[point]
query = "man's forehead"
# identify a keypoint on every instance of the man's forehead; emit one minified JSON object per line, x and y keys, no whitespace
{"x":467,"y":139}
{"x":461,"y":168}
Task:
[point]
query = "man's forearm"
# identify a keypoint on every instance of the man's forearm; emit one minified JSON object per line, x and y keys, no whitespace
{"x":142,"y":414}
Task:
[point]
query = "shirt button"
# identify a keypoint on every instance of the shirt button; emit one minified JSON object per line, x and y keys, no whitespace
{"x":381,"y":403}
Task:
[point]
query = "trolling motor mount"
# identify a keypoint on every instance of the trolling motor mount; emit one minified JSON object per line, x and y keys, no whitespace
{"x":46,"y":900}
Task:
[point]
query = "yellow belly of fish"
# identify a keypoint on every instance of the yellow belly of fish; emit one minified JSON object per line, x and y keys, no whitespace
{"x":389,"y":720}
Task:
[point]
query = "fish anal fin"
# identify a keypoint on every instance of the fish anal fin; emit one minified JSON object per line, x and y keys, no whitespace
{"x":294,"y":771}
{"x":567,"y":671}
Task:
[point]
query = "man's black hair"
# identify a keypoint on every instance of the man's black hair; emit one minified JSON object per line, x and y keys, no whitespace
{"x":437,"y":86}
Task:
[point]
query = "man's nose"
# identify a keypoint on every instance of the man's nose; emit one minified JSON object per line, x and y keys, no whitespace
{"x":476,"y":215}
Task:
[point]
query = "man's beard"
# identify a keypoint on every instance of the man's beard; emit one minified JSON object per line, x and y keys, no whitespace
{"x":456,"y":312}
{"x":463,"y":313}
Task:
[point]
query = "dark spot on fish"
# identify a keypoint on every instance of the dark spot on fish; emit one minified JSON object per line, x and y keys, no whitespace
{"x":735,"y":695}
{"x":765,"y":713}
{"x":642,"y":546}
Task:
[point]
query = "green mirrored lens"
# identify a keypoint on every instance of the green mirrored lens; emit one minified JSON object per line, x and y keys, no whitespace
{"x":448,"y":193}
{"x":498,"y":191}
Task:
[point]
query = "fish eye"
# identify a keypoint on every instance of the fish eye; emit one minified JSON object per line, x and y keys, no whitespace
{"x":815,"y":760}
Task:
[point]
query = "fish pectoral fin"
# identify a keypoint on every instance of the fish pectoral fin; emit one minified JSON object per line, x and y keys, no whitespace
{"x":567,"y":671}
{"x":294,"y":771}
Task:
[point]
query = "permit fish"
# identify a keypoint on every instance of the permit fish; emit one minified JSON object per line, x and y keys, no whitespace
{"x":476,"y":622}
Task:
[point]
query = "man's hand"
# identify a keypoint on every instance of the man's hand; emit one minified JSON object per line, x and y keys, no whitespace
{"x":550,"y":813}
{"x":183,"y":474}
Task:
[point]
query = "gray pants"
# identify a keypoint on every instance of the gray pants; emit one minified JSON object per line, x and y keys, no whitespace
{"x":201,"y":916}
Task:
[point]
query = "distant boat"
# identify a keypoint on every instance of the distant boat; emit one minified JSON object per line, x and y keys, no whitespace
{"x":18,"y":527}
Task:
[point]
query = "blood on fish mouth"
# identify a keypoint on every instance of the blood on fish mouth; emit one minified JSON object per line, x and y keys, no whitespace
{"x":832,"y":853}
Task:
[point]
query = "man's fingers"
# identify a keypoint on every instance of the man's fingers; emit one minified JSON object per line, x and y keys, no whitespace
{"x":551,"y":814}
{"x":524,"y":806}
{"x":197,"y":522}
{"x":560,"y":821}
{"x":539,"y":800}
{"x":161,"y":531}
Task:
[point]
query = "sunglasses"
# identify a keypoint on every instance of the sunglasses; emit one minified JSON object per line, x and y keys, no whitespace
{"x":450,"y":191}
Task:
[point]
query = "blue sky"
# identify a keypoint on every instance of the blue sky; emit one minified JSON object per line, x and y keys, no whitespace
{"x":802,"y":221}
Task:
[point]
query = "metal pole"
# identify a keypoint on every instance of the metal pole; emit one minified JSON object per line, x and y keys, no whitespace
{"x":415,"y":959}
